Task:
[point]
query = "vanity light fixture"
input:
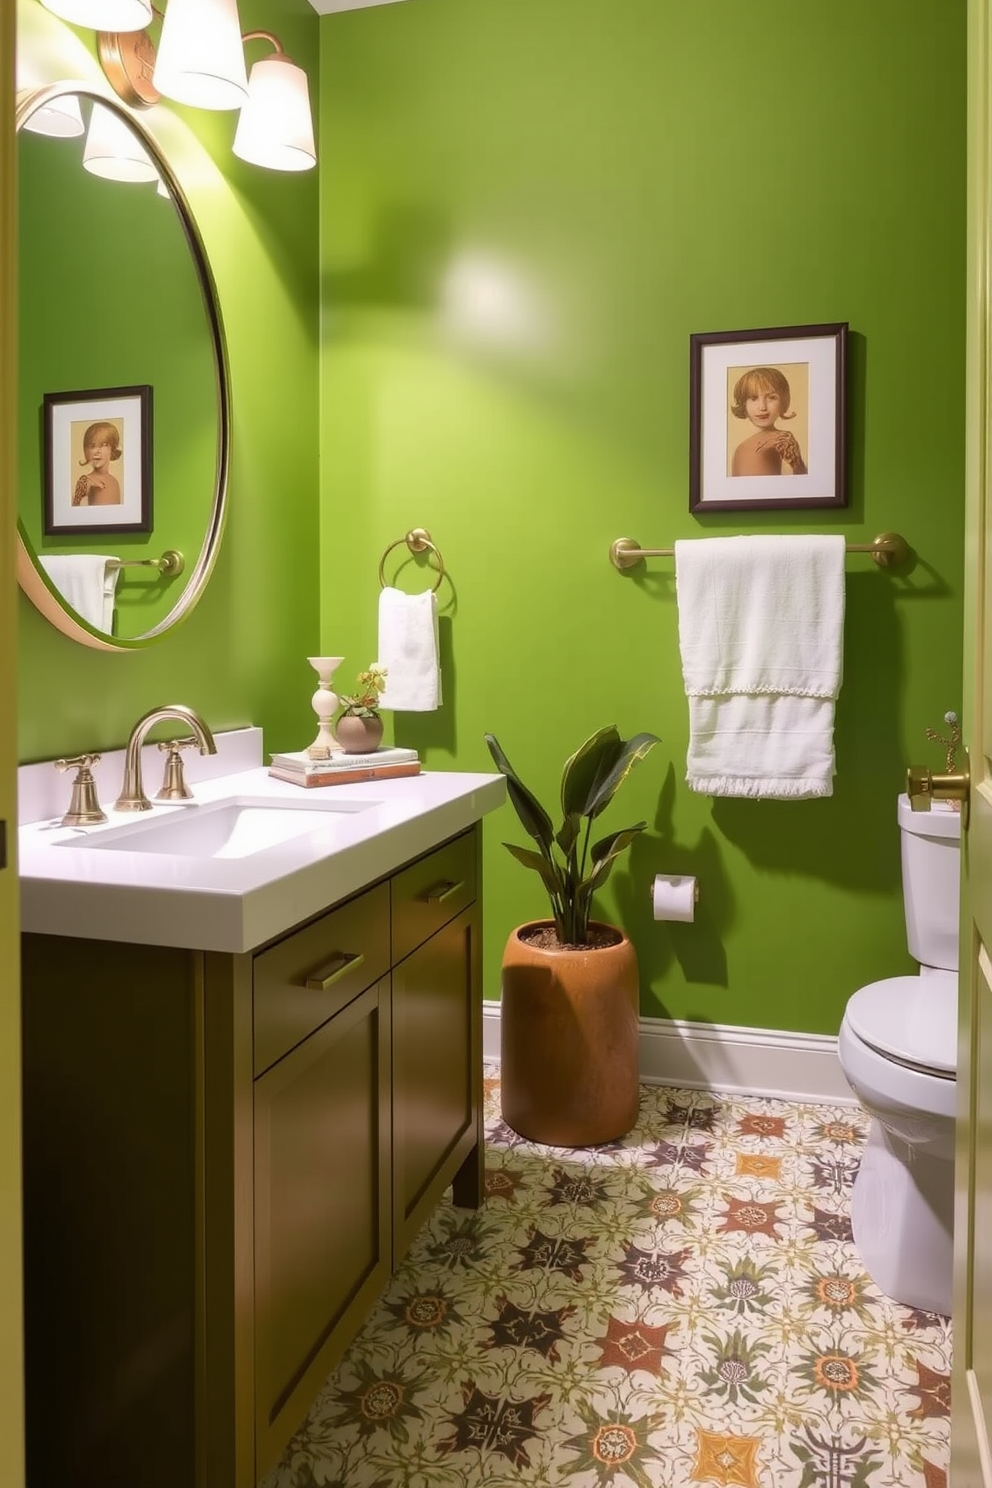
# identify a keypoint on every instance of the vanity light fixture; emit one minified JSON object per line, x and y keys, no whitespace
{"x":103,"y":15}
{"x":200,"y":61}
{"x":114,"y":151}
{"x":200,"y":58}
{"x":275,"y":126}
{"x":61,"y":118}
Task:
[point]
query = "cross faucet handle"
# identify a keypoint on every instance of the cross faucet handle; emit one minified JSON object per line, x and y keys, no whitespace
{"x":174,"y":787}
{"x":84,"y":808}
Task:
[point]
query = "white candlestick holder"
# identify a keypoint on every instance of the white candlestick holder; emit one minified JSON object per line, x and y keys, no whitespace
{"x":325,"y":704}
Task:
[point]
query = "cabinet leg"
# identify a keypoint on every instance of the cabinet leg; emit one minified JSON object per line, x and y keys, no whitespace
{"x":468,"y":1186}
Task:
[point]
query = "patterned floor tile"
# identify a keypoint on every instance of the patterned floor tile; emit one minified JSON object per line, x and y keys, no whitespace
{"x":685,"y":1307}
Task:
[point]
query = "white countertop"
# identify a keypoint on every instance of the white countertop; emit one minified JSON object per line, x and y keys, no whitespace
{"x":236,"y":904}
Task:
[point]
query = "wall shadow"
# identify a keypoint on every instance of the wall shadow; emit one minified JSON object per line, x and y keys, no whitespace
{"x":698,"y":946}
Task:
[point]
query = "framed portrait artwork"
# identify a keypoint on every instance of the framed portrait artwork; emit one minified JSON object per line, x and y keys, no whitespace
{"x":767,"y":418}
{"x":98,"y":461}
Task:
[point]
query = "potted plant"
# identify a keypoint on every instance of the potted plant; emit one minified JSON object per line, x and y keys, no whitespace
{"x":570,"y":992}
{"x":359,"y":727}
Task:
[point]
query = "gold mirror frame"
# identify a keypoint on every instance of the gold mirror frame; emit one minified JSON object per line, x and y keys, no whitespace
{"x":32,"y":580}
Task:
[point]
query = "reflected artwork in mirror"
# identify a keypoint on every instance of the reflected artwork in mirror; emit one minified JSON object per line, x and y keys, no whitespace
{"x":116,"y":297}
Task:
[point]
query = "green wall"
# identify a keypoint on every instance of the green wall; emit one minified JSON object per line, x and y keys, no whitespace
{"x":240,"y":657}
{"x":527,"y":207}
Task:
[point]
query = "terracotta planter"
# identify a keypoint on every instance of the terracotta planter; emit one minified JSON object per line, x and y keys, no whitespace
{"x":569,"y":1041}
{"x":358,"y":735}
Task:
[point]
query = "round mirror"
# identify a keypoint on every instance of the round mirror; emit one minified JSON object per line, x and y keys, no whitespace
{"x":124,"y":408}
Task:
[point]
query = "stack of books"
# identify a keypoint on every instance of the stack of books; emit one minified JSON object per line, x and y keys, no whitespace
{"x":342,"y":769}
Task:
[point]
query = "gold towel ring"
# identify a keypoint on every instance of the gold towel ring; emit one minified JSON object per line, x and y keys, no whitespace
{"x":418,"y":540}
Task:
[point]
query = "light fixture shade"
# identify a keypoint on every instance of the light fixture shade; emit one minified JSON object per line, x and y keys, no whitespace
{"x":61,"y":118}
{"x":103,"y":15}
{"x":275,"y":128}
{"x":113,"y":151}
{"x":200,"y":57}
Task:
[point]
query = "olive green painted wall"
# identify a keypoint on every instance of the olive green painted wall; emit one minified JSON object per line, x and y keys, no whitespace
{"x":527,"y":207}
{"x":241,"y":656}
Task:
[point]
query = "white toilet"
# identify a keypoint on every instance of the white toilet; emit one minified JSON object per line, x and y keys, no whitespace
{"x":898,"y":1051}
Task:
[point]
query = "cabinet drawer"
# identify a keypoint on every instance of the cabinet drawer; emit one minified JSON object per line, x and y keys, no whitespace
{"x":305,"y":979}
{"x":431,"y":892}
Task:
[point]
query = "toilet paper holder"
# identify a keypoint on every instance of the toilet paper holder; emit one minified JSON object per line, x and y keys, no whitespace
{"x":695,"y":892}
{"x":674,"y":897}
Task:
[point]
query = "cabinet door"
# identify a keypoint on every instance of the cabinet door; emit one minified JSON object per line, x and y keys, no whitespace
{"x":437,"y":1076}
{"x":322,"y":1243}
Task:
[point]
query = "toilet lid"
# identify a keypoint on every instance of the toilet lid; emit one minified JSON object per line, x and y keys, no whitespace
{"x":912,"y":1019}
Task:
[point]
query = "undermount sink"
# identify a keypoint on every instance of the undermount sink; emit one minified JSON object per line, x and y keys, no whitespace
{"x":234,"y":828}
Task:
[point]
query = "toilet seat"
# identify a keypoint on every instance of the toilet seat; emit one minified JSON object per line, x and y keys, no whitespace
{"x":911,"y":1020}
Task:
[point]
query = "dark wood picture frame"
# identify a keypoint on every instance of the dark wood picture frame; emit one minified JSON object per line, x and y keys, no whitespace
{"x":114,"y":494}
{"x":789,"y":384}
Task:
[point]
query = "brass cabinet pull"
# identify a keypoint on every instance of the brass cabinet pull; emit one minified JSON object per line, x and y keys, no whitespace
{"x":442,"y":891}
{"x":326,"y":976}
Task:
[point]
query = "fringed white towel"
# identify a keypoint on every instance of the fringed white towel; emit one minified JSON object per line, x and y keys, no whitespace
{"x":88,"y":582}
{"x":409,"y":652}
{"x":761,"y":628}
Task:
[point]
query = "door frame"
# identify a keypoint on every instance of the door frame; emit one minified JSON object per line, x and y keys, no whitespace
{"x":971,"y":1465}
{"x":11,"y":1309}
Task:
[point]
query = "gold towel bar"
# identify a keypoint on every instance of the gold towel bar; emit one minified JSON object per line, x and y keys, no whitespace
{"x":418,"y":540}
{"x":170,"y":565}
{"x":888,"y":550}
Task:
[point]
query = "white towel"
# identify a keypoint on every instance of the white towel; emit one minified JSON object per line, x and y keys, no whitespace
{"x":88,"y":582}
{"x":761,"y":624}
{"x":408,"y":651}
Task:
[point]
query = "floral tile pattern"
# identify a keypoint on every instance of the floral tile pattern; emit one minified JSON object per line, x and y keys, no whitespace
{"x":683,"y":1307}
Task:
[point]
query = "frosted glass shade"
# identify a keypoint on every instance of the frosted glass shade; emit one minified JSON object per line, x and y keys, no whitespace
{"x":103,"y":15}
{"x":200,"y":57}
{"x":61,"y":118}
{"x":275,"y":128}
{"x":112,"y":151}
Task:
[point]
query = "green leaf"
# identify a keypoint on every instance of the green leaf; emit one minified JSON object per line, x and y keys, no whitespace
{"x":631,"y":751}
{"x":605,"y":854}
{"x":533,"y":818}
{"x":615,"y":842}
{"x":568,"y":832}
{"x":548,"y":871}
{"x":587,"y":767}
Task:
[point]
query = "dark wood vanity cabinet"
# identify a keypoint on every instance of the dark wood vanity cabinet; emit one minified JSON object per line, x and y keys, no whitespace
{"x":321,"y":1207}
{"x":225,"y":1158}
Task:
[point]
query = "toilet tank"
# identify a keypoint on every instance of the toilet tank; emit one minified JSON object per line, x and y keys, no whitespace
{"x":931,"y":869}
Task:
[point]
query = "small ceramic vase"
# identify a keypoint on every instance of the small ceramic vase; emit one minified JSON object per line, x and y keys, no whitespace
{"x":358,"y":735}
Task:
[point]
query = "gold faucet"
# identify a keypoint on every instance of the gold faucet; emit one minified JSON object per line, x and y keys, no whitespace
{"x":132,"y":796}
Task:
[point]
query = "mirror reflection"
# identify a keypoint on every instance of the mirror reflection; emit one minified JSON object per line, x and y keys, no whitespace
{"x":123,"y":414}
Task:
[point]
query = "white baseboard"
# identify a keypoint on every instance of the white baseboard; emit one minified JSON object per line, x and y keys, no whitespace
{"x":721,"y":1056}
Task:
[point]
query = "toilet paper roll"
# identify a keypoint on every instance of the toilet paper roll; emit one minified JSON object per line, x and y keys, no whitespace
{"x":674,"y":897}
